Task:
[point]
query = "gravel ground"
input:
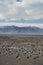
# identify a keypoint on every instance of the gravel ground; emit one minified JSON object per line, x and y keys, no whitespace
{"x":21,"y":50}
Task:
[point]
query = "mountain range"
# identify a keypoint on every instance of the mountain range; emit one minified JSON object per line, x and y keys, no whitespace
{"x":20,"y":30}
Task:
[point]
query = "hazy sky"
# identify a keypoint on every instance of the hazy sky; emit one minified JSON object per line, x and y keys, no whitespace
{"x":24,"y":9}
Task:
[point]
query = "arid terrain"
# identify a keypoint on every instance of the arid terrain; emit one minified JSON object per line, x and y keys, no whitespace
{"x":21,"y":50}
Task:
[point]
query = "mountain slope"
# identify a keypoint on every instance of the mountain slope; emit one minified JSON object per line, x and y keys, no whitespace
{"x":14,"y":29}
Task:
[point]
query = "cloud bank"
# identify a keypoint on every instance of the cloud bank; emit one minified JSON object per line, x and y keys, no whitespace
{"x":21,"y":13}
{"x":26,"y":9}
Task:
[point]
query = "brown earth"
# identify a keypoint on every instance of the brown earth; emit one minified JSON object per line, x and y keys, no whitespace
{"x":27,"y":50}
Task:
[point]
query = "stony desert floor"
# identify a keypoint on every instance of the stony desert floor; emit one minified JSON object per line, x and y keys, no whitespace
{"x":21,"y":50}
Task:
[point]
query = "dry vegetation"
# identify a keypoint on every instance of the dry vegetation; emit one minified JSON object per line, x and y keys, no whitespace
{"x":21,"y":50}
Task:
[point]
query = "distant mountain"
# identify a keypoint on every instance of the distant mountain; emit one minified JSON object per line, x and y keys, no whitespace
{"x":20,"y":30}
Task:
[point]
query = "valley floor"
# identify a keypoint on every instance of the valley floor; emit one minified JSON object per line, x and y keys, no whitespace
{"x":24,"y":50}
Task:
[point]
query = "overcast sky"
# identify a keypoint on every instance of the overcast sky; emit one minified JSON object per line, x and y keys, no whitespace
{"x":24,"y":9}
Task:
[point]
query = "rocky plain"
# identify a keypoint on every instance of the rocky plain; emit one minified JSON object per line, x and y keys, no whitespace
{"x":21,"y":50}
